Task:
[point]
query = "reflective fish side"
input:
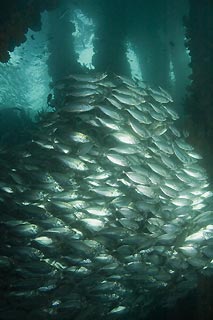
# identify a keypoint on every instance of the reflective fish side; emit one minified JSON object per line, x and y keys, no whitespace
{"x":125,"y":137}
{"x":117,"y":159}
{"x":106,"y":207}
{"x":73,"y":163}
{"x":76,"y":107}
{"x":87,"y":77}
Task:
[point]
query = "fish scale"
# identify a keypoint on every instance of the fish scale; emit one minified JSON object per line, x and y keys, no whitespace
{"x":100,"y":218}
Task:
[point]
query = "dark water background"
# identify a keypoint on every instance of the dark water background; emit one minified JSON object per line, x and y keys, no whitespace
{"x":173,"y":43}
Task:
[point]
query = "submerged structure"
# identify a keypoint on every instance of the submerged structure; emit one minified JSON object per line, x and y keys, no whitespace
{"x":106,"y":209}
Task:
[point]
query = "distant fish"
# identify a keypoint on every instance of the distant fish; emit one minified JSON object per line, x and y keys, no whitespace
{"x":63,"y":14}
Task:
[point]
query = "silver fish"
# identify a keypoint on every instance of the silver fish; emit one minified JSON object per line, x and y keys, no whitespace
{"x":109,"y":124}
{"x":73,"y":163}
{"x":77,"y":107}
{"x":81,"y":93}
{"x":107,"y":191}
{"x":139,"y":130}
{"x":87,"y":77}
{"x":140,"y":116}
{"x":79,"y":137}
{"x":125,"y":137}
{"x":137,"y":177}
{"x":93,"y":224}
{"x":117,"y":159}
{"x":128,"y":99}
{"x":107,"y":207}
{"x":111,"y":112}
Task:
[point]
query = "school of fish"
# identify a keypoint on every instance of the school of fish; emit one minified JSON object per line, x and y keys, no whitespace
{"x":106,"y":213}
